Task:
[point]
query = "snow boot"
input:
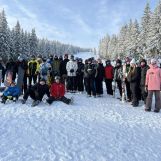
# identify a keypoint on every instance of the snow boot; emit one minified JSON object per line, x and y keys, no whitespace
{"x":23,"y":101}
{"x":156,"y":110}
{"x":147,"y":109}
{"x":35,"y":103}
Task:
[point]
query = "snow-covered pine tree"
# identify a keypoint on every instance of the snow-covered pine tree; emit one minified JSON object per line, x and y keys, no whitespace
{"x":33,"y":41}
{"x":17,"y":39}
{"x":4,"y":37}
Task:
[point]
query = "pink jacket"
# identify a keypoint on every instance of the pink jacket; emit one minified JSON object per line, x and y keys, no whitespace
{"x":153,"y":78}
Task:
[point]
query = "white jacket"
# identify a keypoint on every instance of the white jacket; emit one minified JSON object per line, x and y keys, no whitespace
{"x":71,"y":65}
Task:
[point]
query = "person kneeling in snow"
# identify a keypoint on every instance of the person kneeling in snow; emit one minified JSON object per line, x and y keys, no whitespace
{"x":12,"y":93}
{"x":37,"y":92}
{"x":57,"y":92}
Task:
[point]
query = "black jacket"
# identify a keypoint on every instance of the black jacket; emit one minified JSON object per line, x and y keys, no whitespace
{"x":41,"y":90}
{"x":143,"y":75}
{"x":90,"y":71}
{"x":62,"y":67}
{"x":80,"y":70}
{"x":100,"y":72}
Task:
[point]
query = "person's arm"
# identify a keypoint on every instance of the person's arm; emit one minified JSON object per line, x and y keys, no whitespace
{"x":47,"y":91}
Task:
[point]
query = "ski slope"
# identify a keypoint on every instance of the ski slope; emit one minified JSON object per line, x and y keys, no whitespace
{"x":92,"y":129}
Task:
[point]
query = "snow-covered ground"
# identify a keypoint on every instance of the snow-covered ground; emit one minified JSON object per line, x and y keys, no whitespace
{"x":92,"y":129}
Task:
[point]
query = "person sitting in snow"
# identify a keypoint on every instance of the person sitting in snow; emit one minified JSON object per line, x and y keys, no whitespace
{"x":57,"y":92}
{"x":37,"y":92}
{"x":12,"y":93}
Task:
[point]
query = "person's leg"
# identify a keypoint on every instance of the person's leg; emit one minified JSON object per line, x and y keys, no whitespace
{"x":50,"y":100}
{"x":93,"y":86}
{"x":128,"y":90}
{"x":149,"y":101}
{"x":157,"y":101}
{"x":35,"y":78}
{"x":30,"y":80}
{"x":65,"y":100}
{"x":88,"y":87}
{"x":119,"y":84}
{"x":74,"y":83}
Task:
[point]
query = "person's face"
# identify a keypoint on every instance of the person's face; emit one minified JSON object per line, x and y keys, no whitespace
{"x":132,"y":65}
{"x":142,"y":63}
{"x":42,"y":82}
{"x":57,"y":80}
{"x":118,"y":64}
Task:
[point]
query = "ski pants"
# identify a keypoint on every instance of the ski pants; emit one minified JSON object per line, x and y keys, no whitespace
{"x":91,"y":89}
{"x":80,"y":85}
{"x":135,"y":96}
{"x":157,"y":100}
{"x":32,"y":77}
{"x":50,"y":100}
{"x":128,"y":90}
{"x":85,"y":84}
{"x":30,"y":92}
{"x":99,"y":86}
{"x":109,"y":86}
{"x":71,"y":85}
{"x":143,"y":94}
{"x":119,"y":85}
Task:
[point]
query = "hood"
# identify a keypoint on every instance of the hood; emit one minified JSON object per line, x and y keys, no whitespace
{"x":153,"y":66}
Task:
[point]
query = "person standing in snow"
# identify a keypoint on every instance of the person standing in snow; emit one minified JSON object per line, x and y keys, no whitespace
{"x":57,"y":92}
{"x":33,"y":70}
{"x":144,"y":69}
{"x":99,"y":77}
{"x":55,"y":66}
{"x":45,"y":69}
{"x":63,"y":70}
{"x":80,"y":74}
{"x":71,"y":68}
{"x":109,"y":74}
{"x":118,"y":75}
{"x":128,"y":90}
{"x":134,"y":77}
{"x":153,"y":85}
{"x":90,"y":72}
{"x":37,"y":92}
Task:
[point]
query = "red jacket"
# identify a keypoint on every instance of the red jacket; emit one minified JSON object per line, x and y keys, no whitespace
{"x":57,"y":90}
{"x":109,"y":72}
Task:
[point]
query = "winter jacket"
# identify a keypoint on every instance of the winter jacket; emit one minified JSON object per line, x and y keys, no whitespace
{"x":134,"y":76}
{"x":62,"y":68}
{"x":44,"y":68}
{"x":33,"y":67}
{"x":41,"y":90}
{"x":56,"y":67}
{"x":118,"y":73}
{"x":80,"y":70}
{"x":143,"y":75}
{"x":153,"y":78}
{"x":12,"y":91}
{"x":57,"y":90}
{"x":100,"y":71}
{"x":109,"y":72}
{"x":90,"y":71}
{"x":71,"y":68}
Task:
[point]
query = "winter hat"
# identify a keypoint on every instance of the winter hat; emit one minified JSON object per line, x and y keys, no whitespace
{"x":118,"y":61}
{"x":133,"y":61}
{"x":108,"y":62}
{"x":42,"y":80}
{"x":57,"y":78}
{"x":153,"y":61}
{"x":72,"y":57}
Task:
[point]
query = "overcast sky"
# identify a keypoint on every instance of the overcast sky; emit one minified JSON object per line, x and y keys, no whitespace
{"x":80,"y":22}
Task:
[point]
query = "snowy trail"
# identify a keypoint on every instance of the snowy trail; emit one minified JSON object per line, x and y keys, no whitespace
{"x":101,"y":129}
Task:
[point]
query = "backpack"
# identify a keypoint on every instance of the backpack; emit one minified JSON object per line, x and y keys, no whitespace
{"x":44,"y":69}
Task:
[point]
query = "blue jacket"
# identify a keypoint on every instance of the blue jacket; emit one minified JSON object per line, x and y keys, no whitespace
{"x":12,"y":91}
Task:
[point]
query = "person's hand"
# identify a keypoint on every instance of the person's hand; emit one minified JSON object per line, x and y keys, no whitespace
{"x":146,"y":88}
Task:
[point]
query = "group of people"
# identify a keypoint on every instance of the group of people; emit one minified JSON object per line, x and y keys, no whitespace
{"x":54,"y":75}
